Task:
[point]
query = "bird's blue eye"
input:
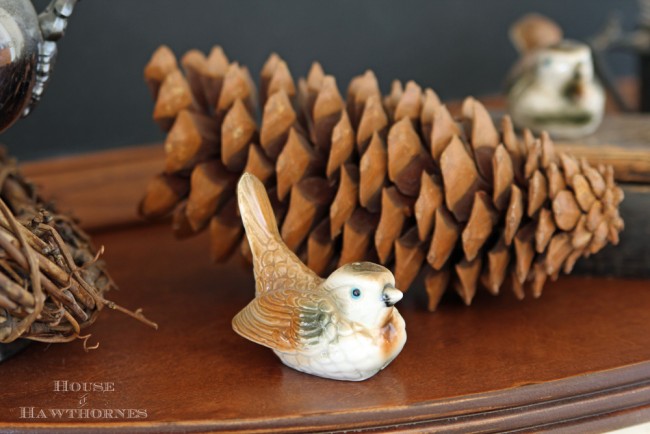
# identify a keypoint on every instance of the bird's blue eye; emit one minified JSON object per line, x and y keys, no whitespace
{"x":356,"y":293}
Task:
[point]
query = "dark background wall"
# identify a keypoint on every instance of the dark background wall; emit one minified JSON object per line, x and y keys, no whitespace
{"x":97,"y":99}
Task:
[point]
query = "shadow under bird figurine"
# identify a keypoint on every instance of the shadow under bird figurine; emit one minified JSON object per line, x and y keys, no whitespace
{"x":553,"y":87}
{"x":344,"y":327}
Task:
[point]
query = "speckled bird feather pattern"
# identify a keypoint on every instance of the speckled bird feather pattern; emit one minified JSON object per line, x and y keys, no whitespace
{"x":289,"y":321}
{"x":275,"y":267}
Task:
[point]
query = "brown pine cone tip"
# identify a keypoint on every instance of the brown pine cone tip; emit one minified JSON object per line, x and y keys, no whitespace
{"x":394,"y":179}
{"x":52,"y":282}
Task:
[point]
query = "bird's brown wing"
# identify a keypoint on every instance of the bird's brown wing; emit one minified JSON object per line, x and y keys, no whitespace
{"x":276,"y":267}
{"x":288,"y":320}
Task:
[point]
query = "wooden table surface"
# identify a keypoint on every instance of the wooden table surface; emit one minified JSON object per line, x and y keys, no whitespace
{"x":577,"y":358}
{"x":580,"y":351}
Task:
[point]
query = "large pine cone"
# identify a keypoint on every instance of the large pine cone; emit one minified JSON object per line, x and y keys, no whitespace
{"x":393,"y":179}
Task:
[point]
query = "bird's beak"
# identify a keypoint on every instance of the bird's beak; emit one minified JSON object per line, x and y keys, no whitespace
{"x":580,"y":89}
{"x":391,"y":296}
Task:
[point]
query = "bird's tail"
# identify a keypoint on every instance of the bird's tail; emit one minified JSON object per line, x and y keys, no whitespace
{"x":256,"y":213}
{"x":533,"y":32}
{"x":282,"y":268}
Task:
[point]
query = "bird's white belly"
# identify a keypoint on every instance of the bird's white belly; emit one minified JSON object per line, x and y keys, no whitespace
{"x":355,"y":356}
{"x":352,"y":358}
{"x":530,"y":107}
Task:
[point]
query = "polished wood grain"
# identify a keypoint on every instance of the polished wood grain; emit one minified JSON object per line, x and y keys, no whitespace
{"x":580,"y":351}
{"x":102,"y":188}
{"x":622,"y":141}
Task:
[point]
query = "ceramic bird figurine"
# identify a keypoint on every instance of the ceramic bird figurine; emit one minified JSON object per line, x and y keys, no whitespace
{"x":344,"y":327}
{"x":553,"y":87}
